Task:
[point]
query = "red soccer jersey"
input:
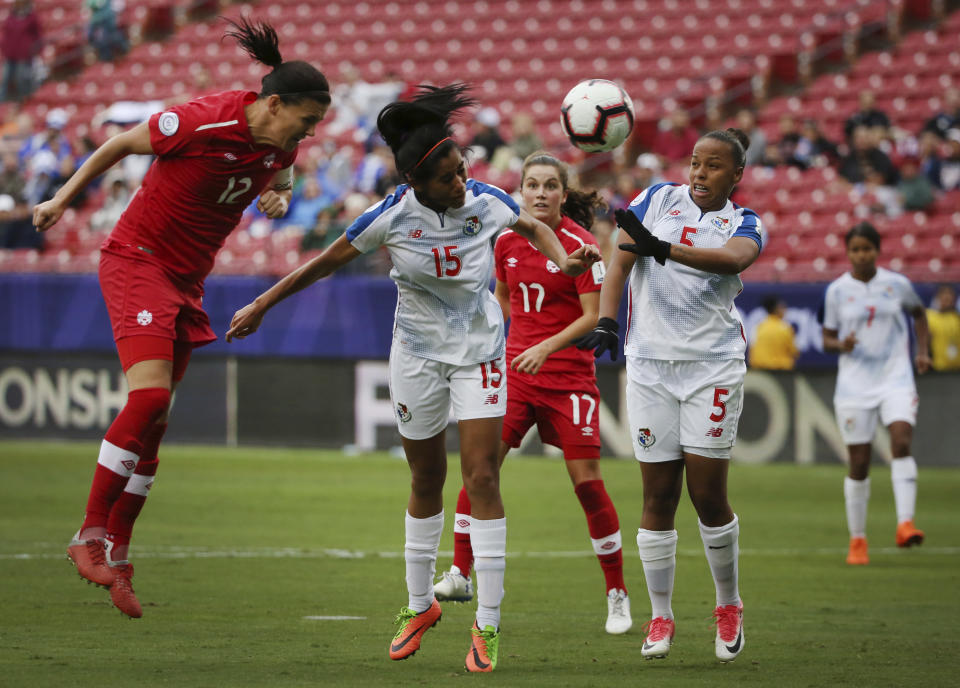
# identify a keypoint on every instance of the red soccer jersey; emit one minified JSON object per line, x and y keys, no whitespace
{"x":543,"y":301}
{"x":207,"y":171}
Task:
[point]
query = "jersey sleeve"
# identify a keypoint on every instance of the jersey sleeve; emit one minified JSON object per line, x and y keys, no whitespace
{"x":831,"y":315}
{"x":750,"y":227}
{"x":647,"y":205}
{"x":908,"y":295}
{"x":503,"y":209}
{"x":369,"y":231}
{"x":175,"y":129}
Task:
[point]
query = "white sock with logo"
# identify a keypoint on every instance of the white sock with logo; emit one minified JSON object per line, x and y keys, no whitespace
{"x":489,"y":541}
{"x":722,"y":547}
{"x":420,"y":554}
{"x":903,"y":474}
{"x":856,"y":494}
{"x":658,"y":553}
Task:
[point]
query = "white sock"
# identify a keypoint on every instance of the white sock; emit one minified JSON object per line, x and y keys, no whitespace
{"x":903,"y":474}
{"x":420,"y":554}
{"x":489,"y":541}
{"x":658,"y":552}
{"x":856,"y":494}
{"x":722,"y":547}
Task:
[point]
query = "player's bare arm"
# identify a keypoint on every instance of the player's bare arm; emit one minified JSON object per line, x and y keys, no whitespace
{"x":730,"y":259}
{"x":545,"y":240}
{"x":275,"y":201}
{"x":531,"y":360}
{"x":135,"y":141}
{"x":247,"y":320}
{"x":922,"y":329}
{"x":615,"y":279}
{"x":834,"y":345}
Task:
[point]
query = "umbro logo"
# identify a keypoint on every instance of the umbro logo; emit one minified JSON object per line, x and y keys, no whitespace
{"x":463,"y":522}
{"x":608,"y":545}
{"x":511,"y":262}
{"x":129,"y":465}
{"x":230,"y":156}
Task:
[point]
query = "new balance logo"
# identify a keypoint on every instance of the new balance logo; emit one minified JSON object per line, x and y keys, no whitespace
{"x":415,"y":233}
{"x":492,"y":399}
{"x":714,"y":432}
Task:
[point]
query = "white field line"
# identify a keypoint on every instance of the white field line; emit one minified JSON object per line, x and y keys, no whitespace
{"x":335,"y":618}
{"x":304,"y":553}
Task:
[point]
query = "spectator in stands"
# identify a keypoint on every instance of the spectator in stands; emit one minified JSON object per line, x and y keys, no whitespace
{"x":878,"y":196}
{"x":625,"y":190}
{"x":949,"y":117}
{"x":747,"y":123}
{"x":309,"y":201}
{"x":649,"y":171}
{"x":50,"y":139}
{"x":678,"y":140}
{"x":106,"y":37}
{"x":20,"y":44}
{"x":813,"y":148}
{"x":916,"y":191}
{"x":944,"y":321}
{"x":772,"y":346}
{"x":116,"y":201}
{"x":16,"y":229}
{"x":867,"y":116}
{"x":950,"y":166}
{"x":789,"y":140}
{"x":929,"y":155}
{"x":325,"y":230}
{"x":864,"y":155}
{"x":486,"y":139}
{"x":523,"y":136}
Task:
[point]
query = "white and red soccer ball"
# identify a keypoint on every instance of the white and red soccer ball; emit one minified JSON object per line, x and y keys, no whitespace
{"x":596,"y":115}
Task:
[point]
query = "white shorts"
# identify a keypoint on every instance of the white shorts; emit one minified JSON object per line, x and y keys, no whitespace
{"x":683,"y":406}
{"x":859,"y":425}
{"x":423,"y":390}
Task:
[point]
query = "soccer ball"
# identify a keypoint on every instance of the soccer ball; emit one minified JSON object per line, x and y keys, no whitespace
{"x":596,"y":115}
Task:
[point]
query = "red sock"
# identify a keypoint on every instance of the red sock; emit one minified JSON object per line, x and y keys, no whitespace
{"x":604,"y":527}
{"x":462,"y":549}
{"x":120,"y":453}
{"x":126,"y":509}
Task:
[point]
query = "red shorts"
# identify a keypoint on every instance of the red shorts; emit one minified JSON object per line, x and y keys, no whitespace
{"x":568,"y":419}
{"x":142,"y":299}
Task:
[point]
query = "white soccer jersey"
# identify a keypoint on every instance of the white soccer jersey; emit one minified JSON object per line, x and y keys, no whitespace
{"x":442,"y":264}
{"x":677,"y":312}
{"x":873,"y":311}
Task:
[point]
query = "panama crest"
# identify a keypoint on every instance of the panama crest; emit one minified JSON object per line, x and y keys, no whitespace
{"x":472,"y":226}
{"x":403,"y":413}
{"x":646,"y":438}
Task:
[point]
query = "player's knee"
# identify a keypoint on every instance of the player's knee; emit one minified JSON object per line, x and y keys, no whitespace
{"x":150,"y":403}
{"x":709,"y":504}
{"x":900,"y":447}
{"x":660,"y":505}
{"x":481,"y":483}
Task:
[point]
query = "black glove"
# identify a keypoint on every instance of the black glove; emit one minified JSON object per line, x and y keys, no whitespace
{"x":646,"y":244}
{"x":601,"y":338}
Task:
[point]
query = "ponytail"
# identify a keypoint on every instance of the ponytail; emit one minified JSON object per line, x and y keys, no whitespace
{"x":419,"y":131}
{"x":293,"y":81}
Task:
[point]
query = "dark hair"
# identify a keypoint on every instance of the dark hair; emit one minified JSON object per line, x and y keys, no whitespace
{"x":293,"y":81}
{"x":418,"y":131}
{"x":579,"y":205}
{"x":770,"y":303}
{"x":738,"y":141}
{"x":865,"y":230}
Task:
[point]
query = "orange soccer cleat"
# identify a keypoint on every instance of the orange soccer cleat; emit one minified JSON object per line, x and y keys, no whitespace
{"x":90,"y":558}
{"x":412,"y":627}
{"x":858,"y":552}
{"x":121,"y":592}
{"x":908,"y":535}
{"x":484,"y":649}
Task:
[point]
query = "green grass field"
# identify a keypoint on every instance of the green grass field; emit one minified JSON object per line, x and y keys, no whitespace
{"x":236,"y":548}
